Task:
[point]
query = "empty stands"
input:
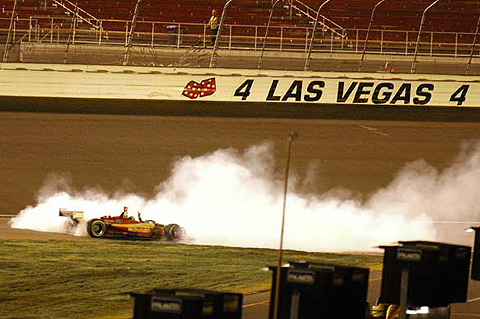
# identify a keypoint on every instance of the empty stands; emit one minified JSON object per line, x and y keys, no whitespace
{"x":449,"y":16}
{"x":446,"y":16}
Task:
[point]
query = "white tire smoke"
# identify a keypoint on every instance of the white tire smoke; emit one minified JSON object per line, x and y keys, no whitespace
{"x":235,"y":199}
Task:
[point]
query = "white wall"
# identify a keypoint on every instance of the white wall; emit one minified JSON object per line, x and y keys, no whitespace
{"x":82,"y":81}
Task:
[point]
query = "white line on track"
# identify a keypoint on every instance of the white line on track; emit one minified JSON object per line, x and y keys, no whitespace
{"x":374,"y":130}
{"x":473,"y":300}
{"x":256,"y":304}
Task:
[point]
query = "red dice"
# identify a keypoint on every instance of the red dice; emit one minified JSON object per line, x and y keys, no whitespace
{"x":194,"y":89}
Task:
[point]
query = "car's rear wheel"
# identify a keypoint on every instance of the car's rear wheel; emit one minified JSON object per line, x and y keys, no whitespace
{"x":96,"y":228}
{"x":173,"y":232}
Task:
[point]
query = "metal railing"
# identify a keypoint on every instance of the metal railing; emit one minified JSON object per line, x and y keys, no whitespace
{"x":324,"y":22}
{"x":38,"y":29}
{"x":81,"y":14}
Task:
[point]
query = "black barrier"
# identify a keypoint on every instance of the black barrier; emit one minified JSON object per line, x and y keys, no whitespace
{"x":476,"y":255}
{"x":311,"y":291}
{"x":438,"y":273}
{"x":187,"y":304}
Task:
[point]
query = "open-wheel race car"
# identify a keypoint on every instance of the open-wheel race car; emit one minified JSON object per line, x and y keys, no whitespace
{"x":124,"y":226}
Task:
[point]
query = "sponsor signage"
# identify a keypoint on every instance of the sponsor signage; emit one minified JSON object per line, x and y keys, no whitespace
{"x":166,"y":305}
{"x":357,"y":92}
{"x":409,"y":255}
{"x":195,"y":90}
{"x":139,"y":229}
{"x":301,"y":277}
{"x":386,"y":92}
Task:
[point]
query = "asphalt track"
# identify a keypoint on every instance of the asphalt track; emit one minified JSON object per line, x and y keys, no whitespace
{"x":358,"y":151}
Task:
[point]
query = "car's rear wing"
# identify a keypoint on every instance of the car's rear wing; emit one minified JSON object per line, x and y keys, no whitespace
{"x":73,"y":214}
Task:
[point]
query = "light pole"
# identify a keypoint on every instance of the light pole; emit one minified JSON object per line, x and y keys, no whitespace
{"x":476,"y":254}
{"x":309,"y":53}
{"x":10,"y":29}
{"x":266,"y":33}
{"x":129,"y":44}
{"x":219,"y":33}
{"x":368,"y":33}
{"x":291,"y":137}
{"x":422,"y":23}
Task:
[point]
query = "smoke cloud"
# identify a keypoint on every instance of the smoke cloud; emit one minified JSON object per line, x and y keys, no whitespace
{"x":235,"y":198}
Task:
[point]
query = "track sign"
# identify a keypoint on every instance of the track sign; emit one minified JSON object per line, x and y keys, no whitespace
{"x":301,"y":277}
{"x":163,"y":305}
{"x":409,"y":255}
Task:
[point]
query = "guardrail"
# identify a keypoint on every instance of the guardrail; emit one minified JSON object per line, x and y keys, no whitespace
{"x":324,"y":22}
{"x":81,"y":14}
{"x":40,"y":29}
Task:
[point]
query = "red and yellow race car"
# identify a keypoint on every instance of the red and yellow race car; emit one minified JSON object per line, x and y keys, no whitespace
{"x":124,"y":226}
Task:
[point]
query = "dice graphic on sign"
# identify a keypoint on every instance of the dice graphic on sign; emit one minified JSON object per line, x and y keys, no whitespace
{"x":194,"y":89}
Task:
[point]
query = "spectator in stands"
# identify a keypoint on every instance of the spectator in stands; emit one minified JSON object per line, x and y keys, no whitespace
{"x":213,"y":23}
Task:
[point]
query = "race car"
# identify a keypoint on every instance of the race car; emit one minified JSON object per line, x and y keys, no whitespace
{"x":124,"y":226}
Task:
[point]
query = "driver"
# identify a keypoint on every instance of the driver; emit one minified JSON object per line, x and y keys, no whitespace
{"x":124,"y":214}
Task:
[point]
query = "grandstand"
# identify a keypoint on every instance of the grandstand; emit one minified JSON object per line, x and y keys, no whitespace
{"x":449,"y":29}
{"x":446,"y":16}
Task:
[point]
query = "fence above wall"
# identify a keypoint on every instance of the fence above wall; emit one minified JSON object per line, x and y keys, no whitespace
{"x":247,"y":38}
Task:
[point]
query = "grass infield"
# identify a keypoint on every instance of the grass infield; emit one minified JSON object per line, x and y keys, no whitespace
{"x":89,"y":278}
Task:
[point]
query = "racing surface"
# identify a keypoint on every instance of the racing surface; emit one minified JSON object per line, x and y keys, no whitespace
{"x":135,"y":153}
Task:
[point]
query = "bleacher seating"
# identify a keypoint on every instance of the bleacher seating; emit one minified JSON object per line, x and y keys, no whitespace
{"x":446,"y":16}
{"x":451,"y":16}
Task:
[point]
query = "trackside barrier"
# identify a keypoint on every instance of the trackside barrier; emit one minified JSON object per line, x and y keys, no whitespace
{"x":425,"y":274}
{"x":310,"y":291}
{"x":438,"y":276}
{"x":187,"y":304}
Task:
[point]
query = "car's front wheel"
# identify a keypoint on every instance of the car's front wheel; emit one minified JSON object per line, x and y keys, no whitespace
{"x":173,"y":232}
{"x":96,"y":228}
